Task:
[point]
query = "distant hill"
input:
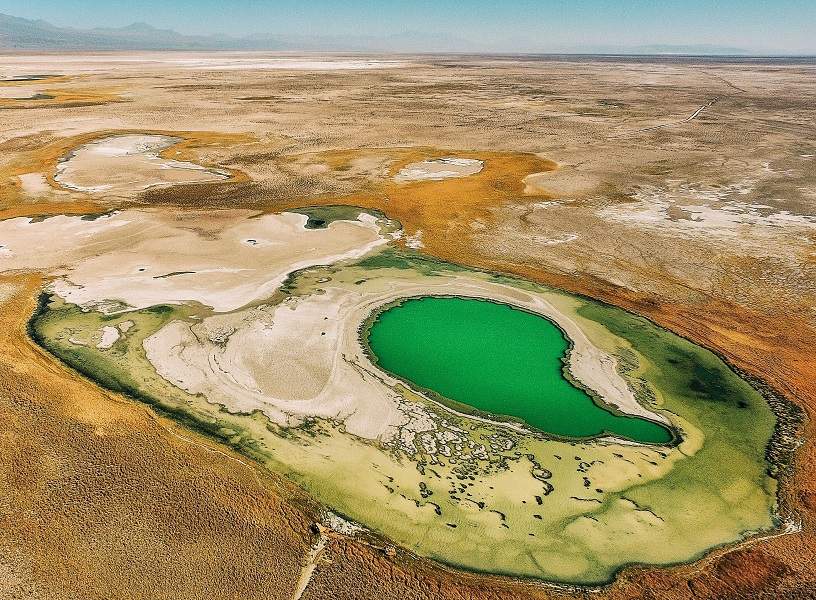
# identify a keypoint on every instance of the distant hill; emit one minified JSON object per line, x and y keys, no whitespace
{"x":25,"y":34}
{"x":678,"y":49}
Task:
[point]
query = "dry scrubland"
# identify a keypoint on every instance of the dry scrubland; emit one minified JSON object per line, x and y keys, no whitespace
{"x":703,"y":225}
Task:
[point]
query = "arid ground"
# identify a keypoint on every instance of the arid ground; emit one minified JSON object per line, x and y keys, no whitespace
{"x":683,"y":190}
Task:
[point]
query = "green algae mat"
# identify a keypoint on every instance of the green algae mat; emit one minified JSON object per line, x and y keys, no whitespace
{"x":477,"y":493}
{"x":499,"y":360}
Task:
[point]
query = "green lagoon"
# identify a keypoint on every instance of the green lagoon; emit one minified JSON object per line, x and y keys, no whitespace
{"x":496,"y":359}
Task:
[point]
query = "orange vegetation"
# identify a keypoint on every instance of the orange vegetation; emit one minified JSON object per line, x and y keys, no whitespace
{"x":444,"y":210}
{"x":58,"y":97}
{"x":26,"y":156}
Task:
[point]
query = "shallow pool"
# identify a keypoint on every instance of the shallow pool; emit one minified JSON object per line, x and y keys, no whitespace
{"x":496,"y":359}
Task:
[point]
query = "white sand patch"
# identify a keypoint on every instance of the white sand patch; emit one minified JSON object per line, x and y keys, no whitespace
{"x":57,"y":240}
{"x":7,"y":290}
{"x":712,"y":213}
{"x":415,"y":241}
{"x":126,"y":164}
{"x":125,"y":326}
{"x":439,"y":168}
{"x":340,"y":525}
{"x":34,"y":184}
{"x":147,"y":62}
{"x":365,"y":217}
{"x":144,"y":258}
{"x":287,"y":64}
{"x":288,"y":361}
{"x":570,"y":237}
{"x":547,"y":204}
{"x":19,"y":92}
{"x":110,"y":335}
{"x":564,"y":182}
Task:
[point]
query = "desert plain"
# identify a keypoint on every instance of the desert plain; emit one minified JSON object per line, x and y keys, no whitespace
{"x":251,"y":197}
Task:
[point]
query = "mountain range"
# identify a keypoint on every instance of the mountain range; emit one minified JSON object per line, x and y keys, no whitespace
{"x":25,"y":34}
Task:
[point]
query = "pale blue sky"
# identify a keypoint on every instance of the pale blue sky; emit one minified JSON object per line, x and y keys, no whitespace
{"x":780,"y":25}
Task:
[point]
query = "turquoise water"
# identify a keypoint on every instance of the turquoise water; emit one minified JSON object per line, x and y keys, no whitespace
{"x":496,"y":359}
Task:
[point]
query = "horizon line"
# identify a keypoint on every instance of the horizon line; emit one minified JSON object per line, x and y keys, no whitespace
{"x":502,"y":53}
